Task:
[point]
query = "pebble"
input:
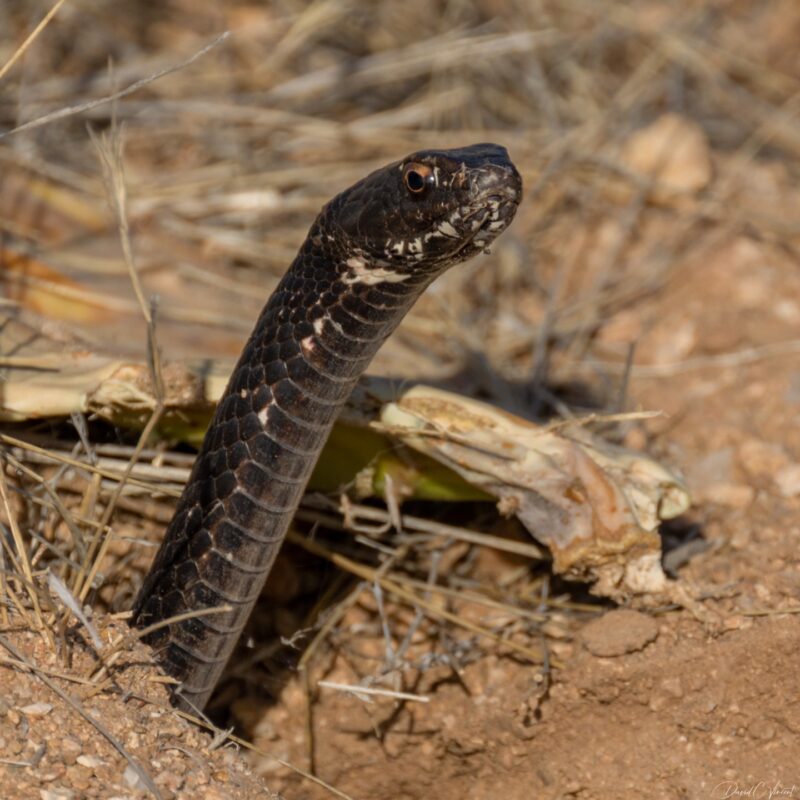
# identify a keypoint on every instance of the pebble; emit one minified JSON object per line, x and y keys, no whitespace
{"x":673,"y":687}
{"x":675,"y":150}
{"x":761,"y":728}
{"x":673,"y":343}
{"x":70,"y":750}
{"x":761,"y":459}
{"x":132,"y":777}
{"x":170,"y":780}
{"x":735,"y":622}
{"x":732,"y":495}
{"x":37,"y":709}
{"x":788,"y":480}
{"x":657,"y":703}
{"x":90,"y":761}
{"x":56,"y":793}
{"x":79,"y":778}
{"x":619,"y":632}
{"x":714,"y":467}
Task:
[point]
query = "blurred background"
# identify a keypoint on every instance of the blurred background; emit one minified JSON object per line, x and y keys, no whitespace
{"x":632,"y":122}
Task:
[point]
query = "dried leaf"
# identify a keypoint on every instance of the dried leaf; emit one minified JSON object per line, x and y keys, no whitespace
{"x":594,"y":505}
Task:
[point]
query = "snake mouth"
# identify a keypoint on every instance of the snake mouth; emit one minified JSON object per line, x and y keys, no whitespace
{"x":486,"y":224}
{"x":496,"y":213}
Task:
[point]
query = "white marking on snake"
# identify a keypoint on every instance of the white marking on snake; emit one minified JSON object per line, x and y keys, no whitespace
{"x":359,"y":272}
{"x":319,"y":324}
{"x":307,"y":344}
{"x":262,"y":415}
{"x":447,"y":229}
{"x":243,"y":393}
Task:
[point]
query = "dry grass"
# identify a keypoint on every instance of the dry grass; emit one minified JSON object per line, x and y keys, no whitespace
{"x":231,"y":145}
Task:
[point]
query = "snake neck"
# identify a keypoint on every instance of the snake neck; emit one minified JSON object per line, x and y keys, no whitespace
{"x":318,"y":332}
{"x":333,"y":310}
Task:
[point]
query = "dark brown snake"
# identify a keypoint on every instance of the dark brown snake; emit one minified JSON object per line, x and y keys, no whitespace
{"x":369,"y":255}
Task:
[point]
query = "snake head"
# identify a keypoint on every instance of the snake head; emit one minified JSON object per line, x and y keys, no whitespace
{"x":424,"y":213}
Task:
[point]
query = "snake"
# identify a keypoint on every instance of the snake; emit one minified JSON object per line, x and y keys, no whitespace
{"x":368,"y":256}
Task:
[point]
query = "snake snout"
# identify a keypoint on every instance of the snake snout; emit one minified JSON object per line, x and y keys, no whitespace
{"x":499,"y":183}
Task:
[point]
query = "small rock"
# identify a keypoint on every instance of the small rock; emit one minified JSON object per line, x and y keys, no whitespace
{"x":732,"y":495}
{"x":735,"y":622}
{"x":657,"y":703}
{"x":762,"y":459}
{"x":762,"y":729}
{"x":464,"y":745}
{"x":619,"y":632}
{"x":56,"y":793}
{"x":674,"y":150}
{"x":676,"y":343}
{"x":170,"y":780}
{"x":79,"y":778}
{"x":37,"y":709}
{"x":787,"y":310}
{"x":132,"y":778}
{"x":70,"y":750}
{"x":90,"y":761}
{"x":788,"y":480}
{"x":712,"y":468}
{"x":673,"y":687}
{"x":213,"y":793}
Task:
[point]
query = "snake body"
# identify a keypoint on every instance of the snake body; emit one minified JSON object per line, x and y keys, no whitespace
{"x":368,"y":256}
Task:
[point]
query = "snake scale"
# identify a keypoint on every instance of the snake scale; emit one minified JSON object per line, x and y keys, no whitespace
{"x":368,"y":256}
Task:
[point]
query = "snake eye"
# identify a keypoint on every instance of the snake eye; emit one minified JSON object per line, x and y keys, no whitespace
{"x":417,"y":177}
